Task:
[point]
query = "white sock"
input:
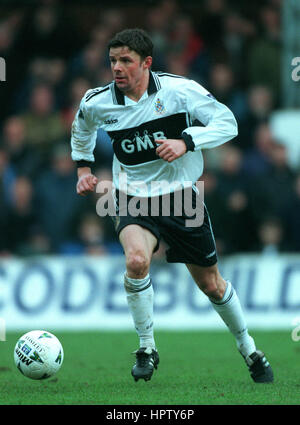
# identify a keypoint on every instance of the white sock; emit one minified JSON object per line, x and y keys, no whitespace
{"x":140,"y":302}
{"x":230,"y":310}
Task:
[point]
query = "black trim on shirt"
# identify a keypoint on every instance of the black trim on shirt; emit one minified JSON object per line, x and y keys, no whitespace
{"x":83,"y":163}
{"x":187,"y":138}
{"x":153,"y":87}
{"x":95,"y":93}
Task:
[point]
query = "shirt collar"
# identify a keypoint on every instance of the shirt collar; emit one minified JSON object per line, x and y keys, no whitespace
{"x":153,"y":87}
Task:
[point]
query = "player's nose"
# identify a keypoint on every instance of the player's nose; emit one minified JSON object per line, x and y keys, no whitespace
{"x":117,"y":67}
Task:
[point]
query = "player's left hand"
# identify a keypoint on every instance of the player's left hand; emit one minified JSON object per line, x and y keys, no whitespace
{"x":170,"y":149}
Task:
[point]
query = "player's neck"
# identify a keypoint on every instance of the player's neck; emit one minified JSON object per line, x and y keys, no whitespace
{"x":138,"y":91}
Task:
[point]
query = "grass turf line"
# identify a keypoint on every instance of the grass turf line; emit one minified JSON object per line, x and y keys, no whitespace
{"x":196,"y":368}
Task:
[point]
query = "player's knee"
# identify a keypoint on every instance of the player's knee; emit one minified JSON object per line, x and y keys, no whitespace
{"x":211,"y":290}
{"x":137,"y":265}
{"x":211,"y":286}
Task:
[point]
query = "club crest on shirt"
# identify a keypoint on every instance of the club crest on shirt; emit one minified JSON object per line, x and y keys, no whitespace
{"x":159,"y":107}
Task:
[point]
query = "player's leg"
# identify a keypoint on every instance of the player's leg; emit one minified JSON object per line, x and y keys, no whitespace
{"x":138,"y":244}
{"x":226,"y":303}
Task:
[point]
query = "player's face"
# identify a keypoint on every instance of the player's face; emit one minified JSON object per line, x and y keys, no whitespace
{"x":129,"y":70}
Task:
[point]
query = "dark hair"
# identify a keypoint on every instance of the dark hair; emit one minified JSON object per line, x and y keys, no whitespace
{"x":135,"y":39}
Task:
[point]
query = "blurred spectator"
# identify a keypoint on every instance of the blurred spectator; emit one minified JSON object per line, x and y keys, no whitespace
{"x":184,"y":39}
{"x":237,"y":33}
{"x":20,"y":233}
{"x":270,"y":234}
{"x":38,"y":243}
{"x":260,"y":105}
{"x":186,"y":44}
{"x":91,"y":235}
{"x":211,"y":28}
{"x":285,"y":127}
{"x":9,"y":27}
{"x":57,"y":203}
{"x":100,"y":35}
{"x":77,"y":89}
{"x":105,"y":185}
{"x":47,"y":31}
{"x":233,"y":186}
{"x":260,"y":102}
{"x":8,"y":33}
{"x":21,"y":216}
{"x":113,"y":19}
{"x":23,"y":160}
{"x":273,"y":190}
{"x":170,"y":9}
{"x":42,"y":71}
{"x":43,"y":125}
{"x":223,"y":86}
{"x":264,"y":61}
{"x":7,"y":179}
{"x":176,"y":66}
{"x":159,"y":33}
{"x":104,"y":76}
{"x":257,"y":160}
{"x":215,"y":205}
{"x":291,"y":218}
{"x":94,"y":234}
{"x":89,"y":62}
{"x":3,"y":227}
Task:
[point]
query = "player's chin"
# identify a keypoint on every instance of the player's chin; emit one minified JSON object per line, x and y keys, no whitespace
{"x":122,"y":85}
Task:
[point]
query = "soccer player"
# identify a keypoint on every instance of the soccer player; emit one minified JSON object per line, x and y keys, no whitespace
{"x":158,"y":124}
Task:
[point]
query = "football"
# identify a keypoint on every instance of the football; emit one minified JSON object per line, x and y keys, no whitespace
{"x":38,"y":354}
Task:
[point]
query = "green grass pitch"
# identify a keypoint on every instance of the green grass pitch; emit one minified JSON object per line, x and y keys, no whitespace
{"x":196,"y":368}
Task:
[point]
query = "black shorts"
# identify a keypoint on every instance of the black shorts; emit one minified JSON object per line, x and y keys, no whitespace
{"x":187,"y":244}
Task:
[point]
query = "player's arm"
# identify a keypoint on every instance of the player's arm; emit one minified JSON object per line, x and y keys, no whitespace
{"x":217,"y":124}
{"x":86,"y":181}
{"x":83,"y":141}
{"x":212,"y":123}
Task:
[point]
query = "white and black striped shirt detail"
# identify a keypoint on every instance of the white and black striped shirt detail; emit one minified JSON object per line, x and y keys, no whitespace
{"x":95,"y":92}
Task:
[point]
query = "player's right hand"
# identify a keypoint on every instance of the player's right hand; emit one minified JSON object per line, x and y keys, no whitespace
{"x":86,"y":183}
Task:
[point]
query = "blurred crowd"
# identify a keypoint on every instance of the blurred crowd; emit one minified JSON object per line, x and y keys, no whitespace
{"x":56,"y":50}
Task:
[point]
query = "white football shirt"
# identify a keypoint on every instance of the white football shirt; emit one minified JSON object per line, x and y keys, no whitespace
{"x":173,"y":107}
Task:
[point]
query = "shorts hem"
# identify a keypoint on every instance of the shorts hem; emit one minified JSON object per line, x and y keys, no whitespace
{"x":190,"y":261}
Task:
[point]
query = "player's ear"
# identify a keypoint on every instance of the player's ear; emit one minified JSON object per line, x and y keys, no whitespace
{"x":148,"y":62}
